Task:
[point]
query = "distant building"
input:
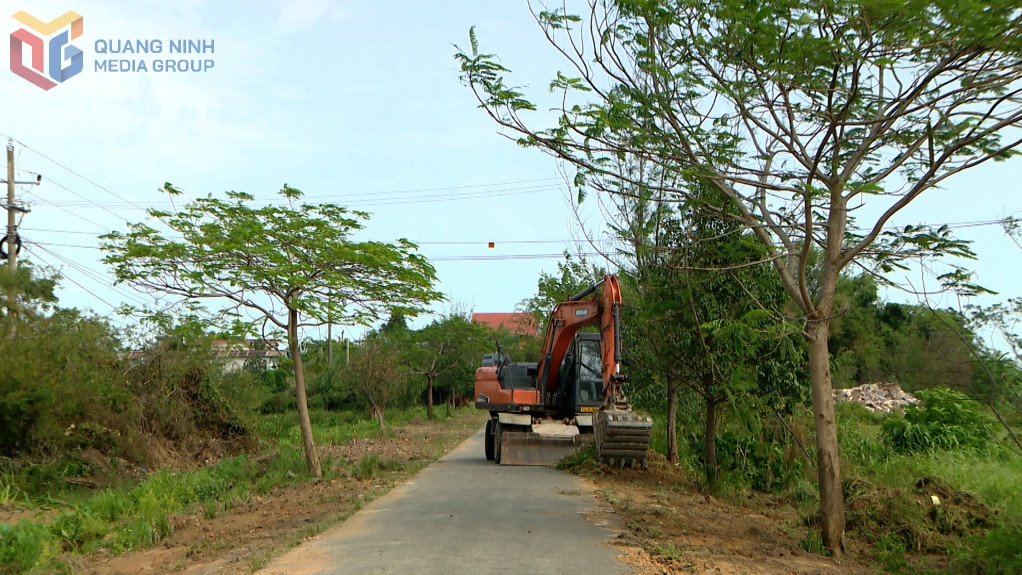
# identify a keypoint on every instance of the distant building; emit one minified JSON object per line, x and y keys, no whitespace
{"x":516,"y":323}
{"x":237,"y":353}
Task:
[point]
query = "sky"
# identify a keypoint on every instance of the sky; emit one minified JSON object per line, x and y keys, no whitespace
{"x":353,"y":102}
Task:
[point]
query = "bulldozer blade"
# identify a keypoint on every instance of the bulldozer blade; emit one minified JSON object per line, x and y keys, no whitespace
{"x":526,"y":448}
{"x":622,"y":438}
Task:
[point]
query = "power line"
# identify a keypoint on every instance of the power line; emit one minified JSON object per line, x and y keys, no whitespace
{"x":362,"y":202}
{"x":87,"y":200}
{"x":101,"y":187}
{"x":90,"y":273}
{"x":70,"y":279}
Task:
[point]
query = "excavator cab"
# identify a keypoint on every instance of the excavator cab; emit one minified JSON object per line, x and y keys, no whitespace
{"x":580,"y":380}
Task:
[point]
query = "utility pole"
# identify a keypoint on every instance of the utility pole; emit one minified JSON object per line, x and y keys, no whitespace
{"x":12,"y":223}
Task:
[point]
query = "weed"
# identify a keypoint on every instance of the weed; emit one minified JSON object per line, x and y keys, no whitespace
{"x":585,"y":455}
{"x":371,"y":463}
{"x":109,"y":505}
{"x":890,"y":552}
{"x":25,"y":546}
{"x":644,"y":529}
{"x":813,"y":543}
{"x":668,"y":551}
{"x":9,"y":492}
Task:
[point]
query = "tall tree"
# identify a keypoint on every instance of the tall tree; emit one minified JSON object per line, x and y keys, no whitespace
{"x":706,"y":303}
{"x":291,"y":265}
{"x":798,"y":111}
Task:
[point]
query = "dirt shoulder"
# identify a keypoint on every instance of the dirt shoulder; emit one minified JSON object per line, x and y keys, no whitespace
{"x":683,"y":531}
{"x":248,"y":536}
{"x":672,"y":528}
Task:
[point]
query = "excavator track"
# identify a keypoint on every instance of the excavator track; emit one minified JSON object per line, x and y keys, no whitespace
{"x":622,"y":438}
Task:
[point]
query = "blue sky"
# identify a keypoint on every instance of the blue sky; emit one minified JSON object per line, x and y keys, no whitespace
{"x":353,"y":102}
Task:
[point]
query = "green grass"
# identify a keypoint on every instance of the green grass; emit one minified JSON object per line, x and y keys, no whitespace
{"x":994,"y":480}
{"x":137,"y":516}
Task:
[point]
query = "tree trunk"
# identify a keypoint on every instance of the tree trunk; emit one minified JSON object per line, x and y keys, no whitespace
{"x":828,"y":463}
{"x":710,"y":433}
{"x":379,"y":418}
{"x":672,"y":421}
{"x":429,"y":396}
{"x":311,"y":460}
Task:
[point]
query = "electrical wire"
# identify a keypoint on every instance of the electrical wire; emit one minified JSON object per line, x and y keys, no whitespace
{"x":72,"y":280}
{"x":62,"y":166}
{"x":354,"y":203}
{"x":91,"y":274}
{"x":87,"y":200}
{"x":73,"y":213}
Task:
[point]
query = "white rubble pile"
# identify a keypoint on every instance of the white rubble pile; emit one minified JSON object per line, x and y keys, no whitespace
{"x":885,"y":397}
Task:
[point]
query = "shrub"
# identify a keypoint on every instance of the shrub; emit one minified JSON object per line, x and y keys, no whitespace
{"x":760,"y":465}
{"x":944,"y":422}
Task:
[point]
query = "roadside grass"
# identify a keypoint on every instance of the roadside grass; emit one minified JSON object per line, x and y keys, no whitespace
{"x":138,"y":516}
{"x":932,"y":492}
{"x":964,"y":504}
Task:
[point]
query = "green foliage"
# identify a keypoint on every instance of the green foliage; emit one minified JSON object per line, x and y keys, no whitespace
{"x":759,"y":465}
{"x":290,"y":265}
{"x":25,"y":546}
{"x":34,"y":287}
{"x":445,"y":354}
{"x":919,"y":515}
{"x":858,"y":435}
{"x":298,"y":255}
{"x":796,"y":113}
{"x":996,"y":552}
{"x":916,"y":347}
{"x":583,"y":456}
{"x":946,"y":420}
{"x":84,"y":402}
{"x":574,"y":274}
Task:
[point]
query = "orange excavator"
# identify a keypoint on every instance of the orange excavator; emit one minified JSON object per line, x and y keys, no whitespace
{"x":540,"y":412}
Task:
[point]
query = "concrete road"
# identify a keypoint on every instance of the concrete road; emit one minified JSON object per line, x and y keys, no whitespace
{"x":464,"y":514}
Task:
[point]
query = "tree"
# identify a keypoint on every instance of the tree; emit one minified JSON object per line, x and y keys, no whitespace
{"x":575,"y":275}
{"x":705,"y":301}
{"x":798,"y":111}
{"x":449,"y":345}
{"x":378,"y":373}
{"x":292,"y":266}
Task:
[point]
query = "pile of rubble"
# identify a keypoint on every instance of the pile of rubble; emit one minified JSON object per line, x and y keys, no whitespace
{"x":885,"y":397}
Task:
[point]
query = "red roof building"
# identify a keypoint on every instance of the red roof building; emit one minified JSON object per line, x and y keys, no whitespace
{"x":516,"y":323}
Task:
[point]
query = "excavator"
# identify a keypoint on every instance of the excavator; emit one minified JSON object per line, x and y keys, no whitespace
{"x":540,"y":412}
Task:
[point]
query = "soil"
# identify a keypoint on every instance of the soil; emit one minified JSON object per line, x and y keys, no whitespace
{"x":672,"y":527}
{"x":680,"y":530}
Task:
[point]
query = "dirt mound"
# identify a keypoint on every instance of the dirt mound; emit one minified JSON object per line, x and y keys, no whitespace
{"x":929,"y":517}
{"x":884,"y":397}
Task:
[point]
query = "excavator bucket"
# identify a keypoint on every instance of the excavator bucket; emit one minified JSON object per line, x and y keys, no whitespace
{"x":526,"y":448}
{"x":622,"y":438}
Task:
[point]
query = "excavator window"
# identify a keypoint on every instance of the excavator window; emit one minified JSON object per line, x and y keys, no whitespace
{"x":590,"y":376}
